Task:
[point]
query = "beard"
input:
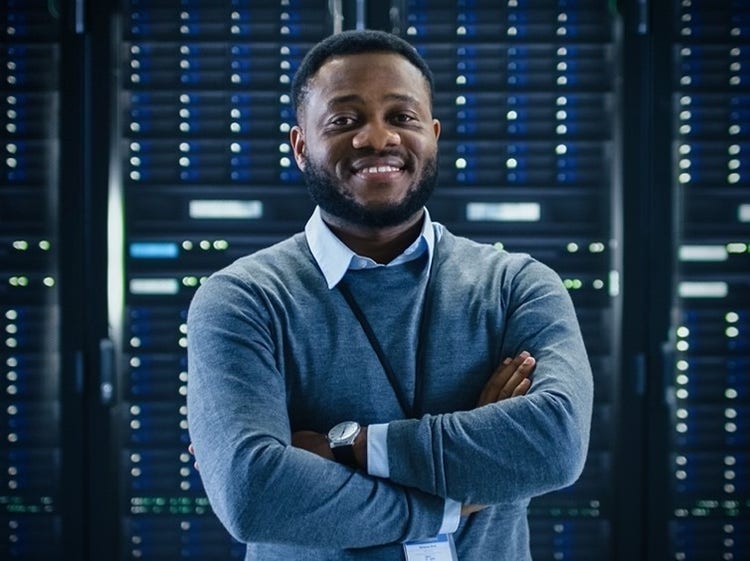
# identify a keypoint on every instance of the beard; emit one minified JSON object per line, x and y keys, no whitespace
{"x":323,"y":188}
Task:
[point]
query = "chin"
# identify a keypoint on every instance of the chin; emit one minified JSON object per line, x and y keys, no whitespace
{"x":374,"y":212}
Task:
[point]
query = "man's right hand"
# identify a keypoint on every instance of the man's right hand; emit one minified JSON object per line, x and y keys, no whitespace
{"x":510,"y":379}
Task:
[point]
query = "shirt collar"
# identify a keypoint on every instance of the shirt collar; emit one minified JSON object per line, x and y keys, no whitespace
{"x":335,"y":259}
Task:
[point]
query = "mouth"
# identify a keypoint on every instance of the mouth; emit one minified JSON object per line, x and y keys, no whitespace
{"x":372,"y":170}
{"x":381,"y":168}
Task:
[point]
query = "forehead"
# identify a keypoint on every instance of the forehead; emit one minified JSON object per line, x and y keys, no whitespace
{"x":368,"y":76}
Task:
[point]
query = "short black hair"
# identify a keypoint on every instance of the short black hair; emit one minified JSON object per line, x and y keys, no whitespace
{"x":354,"y":42}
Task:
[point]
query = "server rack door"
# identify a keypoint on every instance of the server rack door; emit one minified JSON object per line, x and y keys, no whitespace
{"x":204,"y":174}
{"x":527,"y":96}
{"x":707,"y":443}
{"x":31,"y":497}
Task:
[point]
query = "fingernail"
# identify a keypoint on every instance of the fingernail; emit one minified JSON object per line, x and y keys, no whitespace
{"x":528,"y":361}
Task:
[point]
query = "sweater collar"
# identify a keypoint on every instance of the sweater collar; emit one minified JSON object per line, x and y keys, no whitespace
{"x":335,"y":259}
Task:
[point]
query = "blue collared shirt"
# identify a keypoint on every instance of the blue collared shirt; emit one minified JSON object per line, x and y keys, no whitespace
{"x":334,"y":259}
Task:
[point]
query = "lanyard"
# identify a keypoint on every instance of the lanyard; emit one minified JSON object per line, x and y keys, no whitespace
{"x":410,"y":410}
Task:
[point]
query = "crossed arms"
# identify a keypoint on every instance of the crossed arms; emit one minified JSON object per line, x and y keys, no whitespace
{"x":511,"y":379}
{"x":257,"y":471}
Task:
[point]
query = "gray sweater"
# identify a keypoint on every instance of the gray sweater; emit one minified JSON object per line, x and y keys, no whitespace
{"x":272,"y":350}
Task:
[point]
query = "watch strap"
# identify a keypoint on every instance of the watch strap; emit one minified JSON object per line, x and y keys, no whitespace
{"x":345,"y":455}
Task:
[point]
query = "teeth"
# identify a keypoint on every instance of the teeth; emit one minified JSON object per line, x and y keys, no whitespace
{"x":378,"y":169}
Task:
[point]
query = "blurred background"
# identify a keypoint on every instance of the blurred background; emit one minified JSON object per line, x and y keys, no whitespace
{"x":144,"y":144}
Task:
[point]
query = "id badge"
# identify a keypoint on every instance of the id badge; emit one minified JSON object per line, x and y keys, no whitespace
{"x":439,"y":548}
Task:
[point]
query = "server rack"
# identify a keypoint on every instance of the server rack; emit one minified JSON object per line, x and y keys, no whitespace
{"x":707,"y":357}
{"x":31,"y":491}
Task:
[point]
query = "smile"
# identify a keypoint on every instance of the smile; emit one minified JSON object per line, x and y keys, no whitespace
{"x":378,"y":169}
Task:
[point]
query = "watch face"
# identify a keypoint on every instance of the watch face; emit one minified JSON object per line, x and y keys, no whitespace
{"x":343,"y":432}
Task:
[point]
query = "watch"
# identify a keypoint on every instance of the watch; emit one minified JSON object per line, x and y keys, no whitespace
{"x":341,"y":440}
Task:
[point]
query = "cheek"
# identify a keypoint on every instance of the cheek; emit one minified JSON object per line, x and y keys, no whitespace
{"x":426,"y":151}
{"x":331,"y":156}
{"x":424,"y":144}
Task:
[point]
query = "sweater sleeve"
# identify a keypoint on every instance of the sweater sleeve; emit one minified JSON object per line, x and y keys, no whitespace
{"x":520,"y":447}
{"x":261,"y":488}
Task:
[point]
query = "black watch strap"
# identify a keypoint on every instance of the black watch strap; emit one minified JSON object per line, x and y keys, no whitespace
{"x":345,"y":455}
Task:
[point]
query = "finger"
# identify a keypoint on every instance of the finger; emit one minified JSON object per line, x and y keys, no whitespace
{"x":522,"y":387}
{"x":191,"y":449}
{"x":500,"y":378}
{"x":497,"y":380}
{"x":467,"y":510}
{"x":503,"y":383}
{"x":519,"y":376}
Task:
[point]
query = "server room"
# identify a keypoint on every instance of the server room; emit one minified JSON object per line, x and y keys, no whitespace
{"x":146,"y":144}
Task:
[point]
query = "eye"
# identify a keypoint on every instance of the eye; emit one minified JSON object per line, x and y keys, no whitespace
{"x":404,"y":118}
{"x":342,"y":121}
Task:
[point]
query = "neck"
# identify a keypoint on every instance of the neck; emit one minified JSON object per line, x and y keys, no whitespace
{"x":382,"y":245}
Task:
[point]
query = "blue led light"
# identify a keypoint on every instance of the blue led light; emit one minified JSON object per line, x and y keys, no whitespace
{"x":154,"y":250}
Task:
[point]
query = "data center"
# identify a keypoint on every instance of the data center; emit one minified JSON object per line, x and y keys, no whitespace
{"x":145,"y":144}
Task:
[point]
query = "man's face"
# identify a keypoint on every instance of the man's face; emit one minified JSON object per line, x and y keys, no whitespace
{"x":366,"y":142}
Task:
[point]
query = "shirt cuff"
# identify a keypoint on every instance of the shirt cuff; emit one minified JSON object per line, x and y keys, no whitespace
{"x":377,"y":450}
{"x":377,"y":465}
{"x":451,"y":517}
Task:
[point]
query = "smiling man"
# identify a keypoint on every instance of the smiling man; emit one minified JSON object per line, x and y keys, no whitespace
{"x":362,"y":390}
{"x":376,"y":140}
{"x":367,"y":146}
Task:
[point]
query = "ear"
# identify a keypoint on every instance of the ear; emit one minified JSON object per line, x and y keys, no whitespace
{"x":436,"y":128}
{"x":297,"y":139}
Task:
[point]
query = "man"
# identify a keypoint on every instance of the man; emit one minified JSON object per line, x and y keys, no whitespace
{"x":350,"y":394}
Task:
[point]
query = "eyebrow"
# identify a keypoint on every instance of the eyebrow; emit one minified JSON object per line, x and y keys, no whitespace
{"x":354,"y":98}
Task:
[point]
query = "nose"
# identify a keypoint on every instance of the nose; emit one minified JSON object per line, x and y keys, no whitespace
{"x":377,"y":136}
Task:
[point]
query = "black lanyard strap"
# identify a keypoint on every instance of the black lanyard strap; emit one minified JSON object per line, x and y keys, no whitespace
{"x":410,"y":411}
{"x":384,"y":362}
